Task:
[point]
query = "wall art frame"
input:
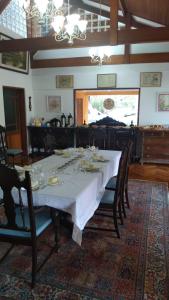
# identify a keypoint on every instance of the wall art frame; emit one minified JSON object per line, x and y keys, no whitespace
{"x":53,"y":104}
{"x":163,"y":102}
{"x":150,"y":79}
{"x":14,"y":61}
{"x":106,"y":80}
{"x":64,"y":81}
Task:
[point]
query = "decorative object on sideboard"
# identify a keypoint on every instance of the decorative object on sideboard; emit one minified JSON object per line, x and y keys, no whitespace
{"x":53,"y":104}
{"x":63,"y":120}
{"x":70,"y":120}
{"x":163,"y":102}
{"x":150,"y":79}
{"x":106,"y":80}
{"x":30,"y":103}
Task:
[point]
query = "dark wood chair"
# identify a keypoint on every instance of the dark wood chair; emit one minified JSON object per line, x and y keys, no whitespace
{"x":23,"y":224}
{"x":111,"y":185}
{"x":6,"y":152}
{"x":111,"y":202}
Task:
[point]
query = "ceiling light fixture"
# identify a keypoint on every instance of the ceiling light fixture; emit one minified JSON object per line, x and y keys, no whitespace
{"x":42,"y":9}
{"x":68,"y":26}
{"x":100,"y":55}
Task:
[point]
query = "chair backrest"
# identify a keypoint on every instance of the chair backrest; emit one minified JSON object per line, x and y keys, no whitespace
{"x":121,"y":176}
{"x":129,"y":151}
{"x":3,"y":145}
{"x":11,"y":185}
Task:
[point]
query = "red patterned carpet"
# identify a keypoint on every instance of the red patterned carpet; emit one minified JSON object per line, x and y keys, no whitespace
{"x":134,"y":267}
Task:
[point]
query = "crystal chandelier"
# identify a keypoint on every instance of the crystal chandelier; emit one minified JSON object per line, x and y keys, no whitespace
{"x":42,"y":9}
{"x":68,"y":26}
{"x":100,"y":55}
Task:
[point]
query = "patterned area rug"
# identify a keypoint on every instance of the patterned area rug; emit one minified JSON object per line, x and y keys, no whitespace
{"x":134,"y":267}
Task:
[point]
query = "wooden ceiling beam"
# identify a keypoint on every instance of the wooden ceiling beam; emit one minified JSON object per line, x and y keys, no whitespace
{"x":115,"y":59}
{"x":114,"y":4}
{"x":142,"y":35}
{"x":3,"y":5}
{"x":125,"y":36}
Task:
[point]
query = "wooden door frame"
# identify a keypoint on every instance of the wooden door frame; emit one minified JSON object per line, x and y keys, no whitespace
{"x":20,"y":92}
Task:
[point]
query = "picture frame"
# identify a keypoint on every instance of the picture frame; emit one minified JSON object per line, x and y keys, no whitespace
{"x":163,"y":102}
{"x":53,"y":104}
{"x":150,"y":79}
{"x":106,"y":80}
{"x":64,"y":81}
{"x":14,"y":61}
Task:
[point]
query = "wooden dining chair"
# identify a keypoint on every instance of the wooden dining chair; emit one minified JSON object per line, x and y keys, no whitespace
{"x":111,"y":202}
{"x":6,"y":152}
{"x":111,"y":185}
{"x":20,"y":224}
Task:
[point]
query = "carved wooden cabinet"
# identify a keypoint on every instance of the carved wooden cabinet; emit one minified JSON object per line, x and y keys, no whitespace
{"x":155,"y":146}
{"x":46,"y":139}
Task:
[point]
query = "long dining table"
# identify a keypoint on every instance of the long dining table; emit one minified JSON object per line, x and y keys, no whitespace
{"x":73,"y":181}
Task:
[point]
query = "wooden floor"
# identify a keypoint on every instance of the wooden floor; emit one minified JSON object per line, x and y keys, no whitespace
{"x":152,"y":172}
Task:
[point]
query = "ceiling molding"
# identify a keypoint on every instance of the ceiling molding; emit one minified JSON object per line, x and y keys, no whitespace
{"x":115,"y":59}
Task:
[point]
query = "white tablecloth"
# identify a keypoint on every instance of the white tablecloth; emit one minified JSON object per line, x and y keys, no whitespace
{"x":80,"y":192}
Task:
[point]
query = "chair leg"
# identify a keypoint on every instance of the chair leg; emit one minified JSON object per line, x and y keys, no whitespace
{"x":7,"y":252}
{"x":123,"y":206}
{"x":115,"y":222}
{"x":126,"y":196}
{"x":120,"y":214}
{"x":34,"y":265}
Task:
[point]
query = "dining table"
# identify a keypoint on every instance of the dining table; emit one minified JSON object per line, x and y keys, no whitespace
{"x":73,"y":181}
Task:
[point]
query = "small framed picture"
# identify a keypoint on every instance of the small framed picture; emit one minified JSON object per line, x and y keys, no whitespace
{"x":53,"y":104}
{"x":64,"y":81}
{"x":150,"y":79}
{"x":163,"y":102}
{"x":106,"y":80}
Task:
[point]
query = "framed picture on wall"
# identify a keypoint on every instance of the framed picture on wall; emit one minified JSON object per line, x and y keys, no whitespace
{"x":14,"y":61}
{"x":106,"y":80}
{"x":53,"y":104}
{"x":163,"y":102}
{"x":150,"y":79}
{"x":64,"y":81}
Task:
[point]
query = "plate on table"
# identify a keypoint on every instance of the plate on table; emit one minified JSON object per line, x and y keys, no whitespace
{"x":53,"y":181}
{"x":58,"y":152}
{"x":100,"y":159}
{"x":35,"y":185}
{"x":91,"y":168}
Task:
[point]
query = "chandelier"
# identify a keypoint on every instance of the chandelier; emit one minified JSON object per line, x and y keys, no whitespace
{"x":100,"y":55}
{"x":68,"y":26}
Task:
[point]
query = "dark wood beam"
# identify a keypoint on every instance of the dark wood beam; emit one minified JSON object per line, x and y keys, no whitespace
{"x":115,"y":59}
{"x":127,"y":46}
{"x":142,"y":35}
{"x":125,"y":36}
{"x":3,"y":5}
{"x":46,"y":43}
{"x":114,"y":21}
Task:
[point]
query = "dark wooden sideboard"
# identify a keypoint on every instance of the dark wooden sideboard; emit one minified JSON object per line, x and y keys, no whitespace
{"x":155,"y":145}
{"x":43,"y":140}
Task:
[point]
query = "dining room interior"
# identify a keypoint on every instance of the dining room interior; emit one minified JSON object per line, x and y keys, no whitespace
{"x":84,"y":149}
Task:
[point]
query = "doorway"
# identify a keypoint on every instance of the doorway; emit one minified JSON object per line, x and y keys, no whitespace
{"x":15,"y":117}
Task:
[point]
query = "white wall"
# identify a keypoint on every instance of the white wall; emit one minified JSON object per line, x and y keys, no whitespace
{"x":128,"y":76}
